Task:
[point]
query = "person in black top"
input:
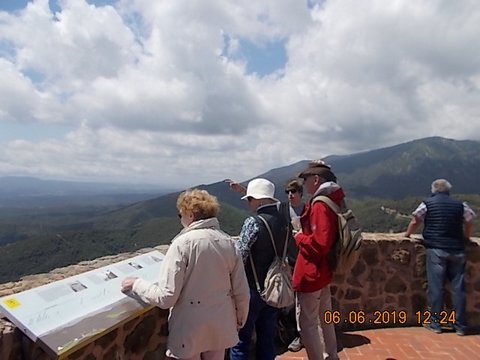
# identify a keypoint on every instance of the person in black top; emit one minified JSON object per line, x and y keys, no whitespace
{"x":287,"y":332}
{"x":255,"y":244}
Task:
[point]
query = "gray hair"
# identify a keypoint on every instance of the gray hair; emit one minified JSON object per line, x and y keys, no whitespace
{"x":441,"y":185}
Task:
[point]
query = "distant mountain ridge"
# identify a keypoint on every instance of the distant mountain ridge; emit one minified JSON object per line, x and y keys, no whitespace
{"x":399,"y":171}
{"x":26,"y":191}
{"x":383,"y":186}
{"x":30,"y":186}
{"x":408,"y":169}
{"x":394,"y":172}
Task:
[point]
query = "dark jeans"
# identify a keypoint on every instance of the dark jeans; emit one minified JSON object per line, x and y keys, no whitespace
{"x":442,"y":264}
{"x":262,"y":318}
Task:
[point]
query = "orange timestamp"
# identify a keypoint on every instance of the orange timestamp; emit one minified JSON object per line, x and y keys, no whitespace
{"x":387,"y":317}
{"x":360,"y":317}
{"x":442,"y":318}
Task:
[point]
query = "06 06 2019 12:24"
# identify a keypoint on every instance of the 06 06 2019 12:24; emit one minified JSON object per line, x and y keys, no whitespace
{"x":386,"y":317}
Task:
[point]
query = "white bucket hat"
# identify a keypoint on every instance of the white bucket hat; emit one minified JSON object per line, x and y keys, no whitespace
{"x":260,"y":189}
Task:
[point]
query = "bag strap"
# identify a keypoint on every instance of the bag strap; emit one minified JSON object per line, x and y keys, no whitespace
{"x":270,"y":233}
{"x":325,"y":199}
{"x":257,"y":283}
{"x":334,"y":207}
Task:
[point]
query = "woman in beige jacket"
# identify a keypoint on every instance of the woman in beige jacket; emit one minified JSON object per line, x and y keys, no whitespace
{"x":202,"y":282}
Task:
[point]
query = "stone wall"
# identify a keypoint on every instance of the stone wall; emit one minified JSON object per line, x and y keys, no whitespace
{"x":386,"y":288}
{"x":143,"y":338}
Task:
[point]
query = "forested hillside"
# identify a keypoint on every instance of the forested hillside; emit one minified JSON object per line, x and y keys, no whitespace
{"x":54,"y":244}
{"x":383,"y":187}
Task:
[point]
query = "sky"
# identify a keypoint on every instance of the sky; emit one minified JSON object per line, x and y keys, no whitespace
{"x":187,"y":92}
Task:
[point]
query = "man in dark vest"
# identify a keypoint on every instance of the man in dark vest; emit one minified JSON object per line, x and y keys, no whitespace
{"x":447,"y":223}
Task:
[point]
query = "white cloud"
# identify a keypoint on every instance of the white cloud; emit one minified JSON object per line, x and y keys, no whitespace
{"x":79,"y":43}
{"x":362,"y":73}
{"x":150,"y":92}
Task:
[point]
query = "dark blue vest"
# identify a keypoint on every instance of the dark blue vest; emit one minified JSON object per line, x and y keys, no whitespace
{"x":262,"y":250}
{"x":443,"y":223}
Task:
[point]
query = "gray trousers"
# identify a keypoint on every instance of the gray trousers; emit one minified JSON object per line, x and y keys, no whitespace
{"x":318,"y":338}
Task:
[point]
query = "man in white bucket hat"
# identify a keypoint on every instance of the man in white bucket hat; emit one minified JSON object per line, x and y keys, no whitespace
{"x":287,"y":329}
{"x":260,"y":189}
{"x":255,"y":242}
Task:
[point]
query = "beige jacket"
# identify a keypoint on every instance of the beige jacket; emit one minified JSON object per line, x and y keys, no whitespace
{"x":203,"y":282}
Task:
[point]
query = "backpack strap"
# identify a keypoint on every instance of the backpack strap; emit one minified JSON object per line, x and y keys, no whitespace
{"x":325,"y":199}
{"x":270,"y":233}
{"x":271,"y":237}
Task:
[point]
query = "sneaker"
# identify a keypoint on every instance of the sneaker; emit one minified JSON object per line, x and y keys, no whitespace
{"x":332,"y":357}
{"x":431,"y":327}
{"x":460,"y":331}
{"x":295,"y":345}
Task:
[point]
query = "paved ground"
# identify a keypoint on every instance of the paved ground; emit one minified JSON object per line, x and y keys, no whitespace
{"x":402,"y":343}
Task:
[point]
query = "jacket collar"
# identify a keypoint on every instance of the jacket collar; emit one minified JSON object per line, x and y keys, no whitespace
{"x":268,"y":208}
{"x":326,"y":188}
{"x":203,"y":224}
{"x":210,"y":223}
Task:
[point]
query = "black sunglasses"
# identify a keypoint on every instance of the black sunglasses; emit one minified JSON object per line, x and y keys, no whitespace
{"x":293,"y":191}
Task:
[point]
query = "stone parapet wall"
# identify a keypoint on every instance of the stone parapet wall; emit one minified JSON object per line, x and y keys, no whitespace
{"x":143,"y":338}
{"x":389,"y":281}
{"x":388,"y":285}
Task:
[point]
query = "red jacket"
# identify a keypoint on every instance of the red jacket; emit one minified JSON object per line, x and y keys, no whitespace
{"x":319,"y":232}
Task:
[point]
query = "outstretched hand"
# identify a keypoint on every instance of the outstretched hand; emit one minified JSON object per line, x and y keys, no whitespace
{"x":235,"y":186}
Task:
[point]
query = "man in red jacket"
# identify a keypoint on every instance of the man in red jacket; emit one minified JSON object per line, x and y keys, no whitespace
{"x":312,"y":274}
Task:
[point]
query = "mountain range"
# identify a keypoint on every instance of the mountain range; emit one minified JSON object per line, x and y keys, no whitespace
{"x":29,"y":192}
{"x":383,"y":186}
{"x":391,"y":173}
{"x":402,"y":170}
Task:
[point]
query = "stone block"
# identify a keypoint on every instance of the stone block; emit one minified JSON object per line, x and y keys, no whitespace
{"x":375,"y":304}
{"x":353,"y":281}
{"x":138,"y":339}
{"x":401,"y":256}
{"x":358,"y":269}
{"x":372,"y":290}
{"x":473,"y":252}
{"x":476,"y":286}
{"x":403,"y":301}
{"x":370,"y":255}
{"x":419,"y":302}
{"x":417,"y":286}
{"x":419,"y":266}
{"x":390,"y":299}
{"x":377,"y":275}
{"x":395,"y":285}
{"x":353,"y":294}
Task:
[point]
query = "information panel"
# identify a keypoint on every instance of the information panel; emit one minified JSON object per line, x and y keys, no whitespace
{"x":65,"y":315}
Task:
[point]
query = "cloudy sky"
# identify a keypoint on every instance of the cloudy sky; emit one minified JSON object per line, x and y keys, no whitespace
{"x":194,"y":91}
